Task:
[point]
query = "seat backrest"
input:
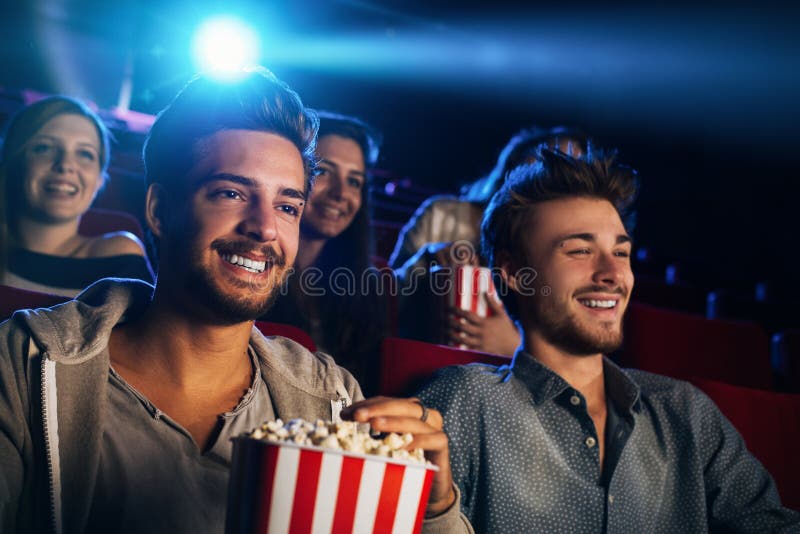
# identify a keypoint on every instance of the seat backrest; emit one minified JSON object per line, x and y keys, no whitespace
{"x":286,"y":330}
{"x":657,"y":292}
{"x":98,"y":221}
{"x":406,"y":363}
{"x":13,"y":299}
{"x":682,"y":345}
{"x":786,"y":359}
{"x":769,"y":422}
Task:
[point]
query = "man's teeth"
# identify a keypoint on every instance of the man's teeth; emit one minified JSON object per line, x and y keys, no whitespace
{"x":599,"y":303}
{"x":246,"y":263}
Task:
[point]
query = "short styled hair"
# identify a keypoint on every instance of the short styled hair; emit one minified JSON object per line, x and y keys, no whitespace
{"x":554,"y":176}
{"x":365,"y":136}
{"x":259,"y":101}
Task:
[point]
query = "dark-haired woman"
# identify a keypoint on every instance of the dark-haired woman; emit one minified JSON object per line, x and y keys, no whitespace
{"x":332,"y":293}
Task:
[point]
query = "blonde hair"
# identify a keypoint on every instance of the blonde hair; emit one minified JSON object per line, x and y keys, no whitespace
{"x":24,"y":125}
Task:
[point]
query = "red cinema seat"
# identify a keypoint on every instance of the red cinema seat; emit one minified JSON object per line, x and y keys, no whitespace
{"x":286,"y":330}
{"x":769,"y":422}
{"x":13,"y":299}
{"x":681,"y":345}
{"x":786,"y":359}
{"x":101,"y":221}
{"x":406,"y":363}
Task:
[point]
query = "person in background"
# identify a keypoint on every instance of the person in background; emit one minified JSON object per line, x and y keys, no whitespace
{"x":333,"y":293}
{"x":117,"y":409}
{"x":563,"y":440}
{"x":445,"y":231}
{"x":54,"y":160}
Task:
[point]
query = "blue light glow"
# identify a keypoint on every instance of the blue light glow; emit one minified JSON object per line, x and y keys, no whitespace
{"x":224,"y":46}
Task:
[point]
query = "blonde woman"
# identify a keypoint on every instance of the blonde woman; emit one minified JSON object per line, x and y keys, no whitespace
{"x":54,"y":159}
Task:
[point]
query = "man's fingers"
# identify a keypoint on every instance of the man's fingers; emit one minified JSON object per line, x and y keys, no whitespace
{"x":412,"y":425}
{"x":387,"y":407}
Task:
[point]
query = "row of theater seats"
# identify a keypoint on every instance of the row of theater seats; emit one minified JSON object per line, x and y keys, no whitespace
{"x":715,"y":291}
{"x":720,"y":303}
{"x":683,"y":345}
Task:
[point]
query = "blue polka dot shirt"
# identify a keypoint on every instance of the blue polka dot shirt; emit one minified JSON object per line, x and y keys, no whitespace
{"x":524,"y":452}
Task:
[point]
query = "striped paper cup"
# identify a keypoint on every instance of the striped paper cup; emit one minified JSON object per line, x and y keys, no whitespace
{"x":470,"y":285}
{"x":279,"y":488}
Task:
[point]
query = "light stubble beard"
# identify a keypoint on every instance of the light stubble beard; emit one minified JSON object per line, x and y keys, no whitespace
{"x":201,"y":285}
{"x":562,"y":329}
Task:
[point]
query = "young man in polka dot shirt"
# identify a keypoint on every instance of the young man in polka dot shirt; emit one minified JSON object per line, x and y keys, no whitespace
{"x":563,"y":440}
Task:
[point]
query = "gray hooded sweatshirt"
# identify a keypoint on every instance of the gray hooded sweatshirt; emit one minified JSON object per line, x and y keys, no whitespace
{"x":54,"y":370}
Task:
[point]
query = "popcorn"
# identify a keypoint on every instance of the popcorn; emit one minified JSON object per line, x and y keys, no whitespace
{"x":345,"y":436}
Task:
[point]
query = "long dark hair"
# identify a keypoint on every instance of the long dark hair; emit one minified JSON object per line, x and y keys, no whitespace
{"x":353,"y":247}
{"x":352,"y":325}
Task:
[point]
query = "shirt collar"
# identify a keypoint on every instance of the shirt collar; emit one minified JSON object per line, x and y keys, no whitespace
{"x":545,"y":384}
{"x":620,"y":387}
{"x":255,"y":385}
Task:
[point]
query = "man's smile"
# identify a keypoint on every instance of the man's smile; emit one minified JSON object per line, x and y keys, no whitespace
{"x":253,"y":266}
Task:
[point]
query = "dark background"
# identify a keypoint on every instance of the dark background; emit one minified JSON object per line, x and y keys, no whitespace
{"x":701,"y":98}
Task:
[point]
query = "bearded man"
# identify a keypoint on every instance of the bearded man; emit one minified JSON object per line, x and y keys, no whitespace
{"x":563,"y":440}
{"x":117,"y":409}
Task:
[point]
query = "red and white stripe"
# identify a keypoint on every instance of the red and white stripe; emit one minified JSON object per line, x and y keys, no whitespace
{"x":304,"y":490}
{"x":471,"y":285}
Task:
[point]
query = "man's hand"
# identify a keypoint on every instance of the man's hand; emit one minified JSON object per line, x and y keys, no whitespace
{"x":404,"y":415}
{"x":496,"y":334}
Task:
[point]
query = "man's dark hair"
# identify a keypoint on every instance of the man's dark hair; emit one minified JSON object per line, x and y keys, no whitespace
{"x":367,"y":138}
{"x":554,"y":176}
{"x":259,"y":101}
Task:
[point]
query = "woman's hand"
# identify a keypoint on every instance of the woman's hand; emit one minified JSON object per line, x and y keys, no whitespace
{"x":496,"y":334}
{"x":386,"y":414}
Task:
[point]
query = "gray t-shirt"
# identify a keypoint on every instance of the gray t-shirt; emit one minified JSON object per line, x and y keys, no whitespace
{"x":152,"y":475}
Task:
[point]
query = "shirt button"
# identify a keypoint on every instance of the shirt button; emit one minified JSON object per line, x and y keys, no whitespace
{"x":575,"y":400}
{"x":610,"y":499}
{"x":590,"y":442}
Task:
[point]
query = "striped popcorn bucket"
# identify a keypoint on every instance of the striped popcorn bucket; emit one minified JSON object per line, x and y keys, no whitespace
{"x":279,"y":488}
{"x":470,"y":286}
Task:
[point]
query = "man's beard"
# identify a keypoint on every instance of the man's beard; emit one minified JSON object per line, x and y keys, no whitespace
{"x":562,"y":329}
{"x":200,"y":283}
